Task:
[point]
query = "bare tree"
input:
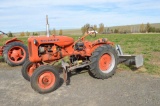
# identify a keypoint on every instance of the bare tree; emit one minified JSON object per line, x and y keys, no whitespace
{"x":54,"y":31}
{"x":27,"y":33}
{"x":22,"y":34}
{"x":84,"y":28}
{"x":95,"y":27}
{"x":142,"y":28}
{"x":60,"y":32}
{"x":148,"y":27}
{"x":101,"y":28}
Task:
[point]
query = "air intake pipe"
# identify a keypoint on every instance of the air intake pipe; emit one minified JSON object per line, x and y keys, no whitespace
{"x":47,"y":26}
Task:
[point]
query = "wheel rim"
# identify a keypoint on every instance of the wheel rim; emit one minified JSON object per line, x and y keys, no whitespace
{"x":16,"y":54}
{"x":46,"y":80}
{"x":107,"y":62}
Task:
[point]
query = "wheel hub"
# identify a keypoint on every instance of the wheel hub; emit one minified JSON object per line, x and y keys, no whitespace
{"x":46,"y":80}
{"x":104,"y":62}
{"x":16,"y":54}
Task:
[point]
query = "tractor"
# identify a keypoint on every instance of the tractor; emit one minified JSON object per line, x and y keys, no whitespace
{"x":99,"y":57}
{"x":13,"y":51}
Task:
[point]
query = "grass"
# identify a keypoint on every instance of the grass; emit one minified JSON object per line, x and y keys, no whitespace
{"x":146,"y":44}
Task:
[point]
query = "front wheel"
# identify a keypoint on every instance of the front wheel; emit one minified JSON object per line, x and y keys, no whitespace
{"x":45,"y":79}
{"x":28,"y":68}
{"x":104,"y":62}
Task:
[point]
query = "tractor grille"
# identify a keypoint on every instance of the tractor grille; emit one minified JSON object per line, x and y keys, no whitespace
{"x":30,"y":48}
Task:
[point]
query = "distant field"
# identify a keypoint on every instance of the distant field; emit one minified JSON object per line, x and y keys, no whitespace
{"x":146,"y":44}
{"x":135,"y":28}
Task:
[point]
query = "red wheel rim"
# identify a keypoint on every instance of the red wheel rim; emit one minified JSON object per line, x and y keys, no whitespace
{"x":46,"y":80}
{"x":105,"y":62}
{"x":16,"y":54}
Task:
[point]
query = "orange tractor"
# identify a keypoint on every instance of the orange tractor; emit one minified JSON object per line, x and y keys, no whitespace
{"x":14,"y":51}
{"x":99,"y":57}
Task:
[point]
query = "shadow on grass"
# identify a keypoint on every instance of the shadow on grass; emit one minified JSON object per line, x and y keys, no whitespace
{"x":133,"y":68}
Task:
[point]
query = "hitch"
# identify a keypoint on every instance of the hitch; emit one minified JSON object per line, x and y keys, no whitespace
{"x":136,"y":60}
{"x":66,"y":72}
{"x":67,"y":69}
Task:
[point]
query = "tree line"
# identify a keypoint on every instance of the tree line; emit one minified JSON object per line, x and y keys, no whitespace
{"x":142,"y":28}
{"x":10,"y":34}
{"x":100,"y":29}
{"x":52,"y":32}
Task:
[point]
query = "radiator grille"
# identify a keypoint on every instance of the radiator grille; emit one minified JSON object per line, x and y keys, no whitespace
{"x":30,"y":49}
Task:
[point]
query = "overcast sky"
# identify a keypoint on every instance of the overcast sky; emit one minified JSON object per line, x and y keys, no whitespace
{"x":29,"y":15}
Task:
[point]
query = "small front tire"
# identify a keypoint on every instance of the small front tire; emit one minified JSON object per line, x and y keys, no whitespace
{"x":45,"y":79}
{"x":28,"y":68}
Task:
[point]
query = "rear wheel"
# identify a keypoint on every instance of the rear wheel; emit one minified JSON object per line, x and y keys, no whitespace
{"x":103,"y":62}
{"x":45,"y":79}
{"x":15,"y":53}
{"x":28,"y":68}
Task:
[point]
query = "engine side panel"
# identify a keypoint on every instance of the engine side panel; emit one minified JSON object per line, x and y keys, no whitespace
{"x":35,"y":42}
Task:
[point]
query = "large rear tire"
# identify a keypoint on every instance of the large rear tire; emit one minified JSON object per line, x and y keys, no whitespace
{"x":45,"y":79}
{"x":15,"y":53}
{"x":104,"y":62}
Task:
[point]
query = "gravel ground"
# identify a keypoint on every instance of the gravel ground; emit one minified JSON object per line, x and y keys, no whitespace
{"x":125,"y":88}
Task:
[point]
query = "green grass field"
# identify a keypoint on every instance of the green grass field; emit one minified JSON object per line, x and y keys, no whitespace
{"x":146,"y":44}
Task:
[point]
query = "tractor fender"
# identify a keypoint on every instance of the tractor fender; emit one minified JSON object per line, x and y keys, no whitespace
{"x":100,"y":42}
{"x":13,"y":40}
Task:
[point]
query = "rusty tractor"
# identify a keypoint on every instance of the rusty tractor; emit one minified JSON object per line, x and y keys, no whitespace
{"x":14,"y":51}
{"x":100,"y":57}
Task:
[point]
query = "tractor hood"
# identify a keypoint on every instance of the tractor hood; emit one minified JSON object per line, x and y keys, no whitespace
{"x":61,"y":41}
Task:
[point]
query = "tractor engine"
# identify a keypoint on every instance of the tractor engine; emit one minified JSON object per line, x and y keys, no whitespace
{"x":79,"y":46}
{"x":48,"y":49}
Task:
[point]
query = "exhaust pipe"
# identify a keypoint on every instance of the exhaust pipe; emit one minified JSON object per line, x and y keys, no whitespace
{"x":47,"y":26}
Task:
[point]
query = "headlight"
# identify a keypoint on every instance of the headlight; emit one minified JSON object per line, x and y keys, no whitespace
{"x":35,"y":42}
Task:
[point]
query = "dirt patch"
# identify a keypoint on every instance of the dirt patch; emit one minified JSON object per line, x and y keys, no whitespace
{"x":124,"y":88}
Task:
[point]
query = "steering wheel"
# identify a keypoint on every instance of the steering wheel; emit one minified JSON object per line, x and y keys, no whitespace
{"x":91,"y":32}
